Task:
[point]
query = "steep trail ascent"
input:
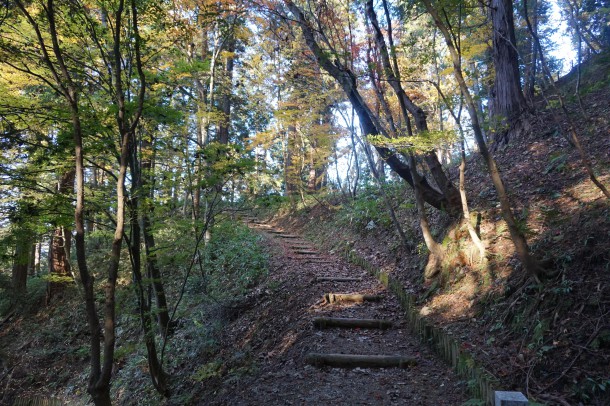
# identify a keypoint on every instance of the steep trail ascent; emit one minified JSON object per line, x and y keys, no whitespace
{"x":276,"y":330}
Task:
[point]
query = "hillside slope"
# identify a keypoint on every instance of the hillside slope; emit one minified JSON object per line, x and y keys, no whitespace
{"x":550,"y":339}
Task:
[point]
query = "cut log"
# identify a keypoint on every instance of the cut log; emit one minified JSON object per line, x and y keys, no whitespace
{"x":330,"y":322}
{"x":336,"y":279}
{"x":287,"y":235}
{"x":350,"y":297}
{"x":359,"y":361}
{"x":305,"y":252}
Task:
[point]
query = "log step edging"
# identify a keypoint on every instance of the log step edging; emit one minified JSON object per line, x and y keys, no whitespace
{"x":342,"y":322}
{"x":442,"y":343}
{"x":359,"y":361}
{"x":350,"y":297}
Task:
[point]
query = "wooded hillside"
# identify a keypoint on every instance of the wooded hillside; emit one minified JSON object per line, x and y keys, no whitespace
{"x":462,"y":147}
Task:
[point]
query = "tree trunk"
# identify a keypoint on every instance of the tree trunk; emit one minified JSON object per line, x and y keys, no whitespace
{"x":21,"y":258}
{"x":530,"y":264}
{"x":61,"y":242}
{"x":34,"y":262}
{"x":59,"y":262}
{"x":508,"y":101}
{"x":436,"y":250}
{"x":156,"y":372}
{"x":146,"y":211}
{"x":531,"y":61}
{"x":90,"y":221}
{"x":291,"y":178}
{"x":68,"y":89}
{"x":225,"y":99}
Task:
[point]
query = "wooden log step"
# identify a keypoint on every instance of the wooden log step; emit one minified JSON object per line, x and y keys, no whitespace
{"x":336,"y":279}
{"x":359,"y":361}
{"x":306,"y":252}
{"x":350,"y":297}
{"x":287,"y":235}
{"x":276,"y":232}
{"x":341,"y":322}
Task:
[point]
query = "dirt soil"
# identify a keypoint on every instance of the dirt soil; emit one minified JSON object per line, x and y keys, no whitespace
{"x":275,"y":329}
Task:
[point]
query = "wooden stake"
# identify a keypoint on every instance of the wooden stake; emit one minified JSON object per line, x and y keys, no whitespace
{"x":330,"y":322}
{"x":350,"y":297}
{"x":359,"y":361}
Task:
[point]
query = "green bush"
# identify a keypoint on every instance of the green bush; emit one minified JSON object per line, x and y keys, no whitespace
{"x":234,"y":259}
{"x":368,"y":206}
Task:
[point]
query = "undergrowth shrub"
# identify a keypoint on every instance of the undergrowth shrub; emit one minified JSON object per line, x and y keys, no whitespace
{"x":234,"y":260}
{"x":369,"y":206}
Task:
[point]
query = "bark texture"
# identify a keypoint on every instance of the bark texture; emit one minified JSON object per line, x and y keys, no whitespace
{"x":507,"y":101}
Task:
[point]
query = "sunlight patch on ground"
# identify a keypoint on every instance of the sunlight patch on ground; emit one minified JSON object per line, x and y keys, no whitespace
{"x":289,"y":339}
{"x":586,"y":191}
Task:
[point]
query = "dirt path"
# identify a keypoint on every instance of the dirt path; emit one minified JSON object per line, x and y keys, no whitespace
{"x":276,"y":332}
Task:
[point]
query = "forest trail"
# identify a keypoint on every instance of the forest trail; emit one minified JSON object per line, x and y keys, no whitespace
{"x":278,"y":331}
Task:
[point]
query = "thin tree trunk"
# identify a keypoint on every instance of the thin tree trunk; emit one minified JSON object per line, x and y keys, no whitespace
{"x":155,"y":369}
{"x":144,"y":304}
{"x":465,"y":210}
{"x":68,"y":90}
{"x":529,"y":263}
{"x":146,"y":211}
{"x":225,"y":102}
{"x":436,"y":250}
{"x":474,"y":236}
{"x":530,"y":63}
